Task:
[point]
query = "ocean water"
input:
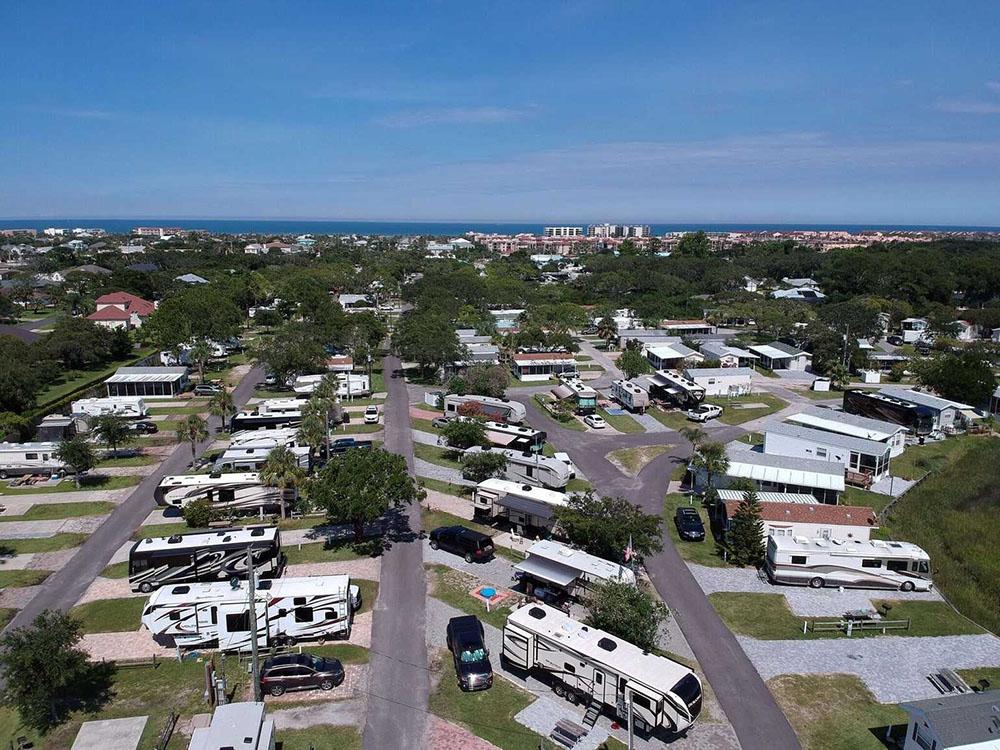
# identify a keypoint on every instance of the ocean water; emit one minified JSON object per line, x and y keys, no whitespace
{"x":295,"y":226}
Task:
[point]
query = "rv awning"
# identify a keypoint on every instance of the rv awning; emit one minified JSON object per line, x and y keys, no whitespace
{"x":561,"y":392}
{"x":500,"y":438}
{"x":533,"y":507}
{"x":547,"y":570}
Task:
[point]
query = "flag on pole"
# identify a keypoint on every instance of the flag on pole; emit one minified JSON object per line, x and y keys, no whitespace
{"x":629,"y":552}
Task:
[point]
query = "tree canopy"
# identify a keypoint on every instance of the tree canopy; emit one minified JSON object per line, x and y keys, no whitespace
{"x":603,"y":526}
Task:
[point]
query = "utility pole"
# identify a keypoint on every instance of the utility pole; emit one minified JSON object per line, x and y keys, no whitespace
{"x":630,"y":732}
{"x":254,"y":661}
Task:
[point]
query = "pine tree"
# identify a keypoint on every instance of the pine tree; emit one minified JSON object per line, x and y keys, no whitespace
{"x":746,"y":534}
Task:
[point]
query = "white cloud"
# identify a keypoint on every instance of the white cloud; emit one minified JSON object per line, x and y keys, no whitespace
{"x":454,"y":116}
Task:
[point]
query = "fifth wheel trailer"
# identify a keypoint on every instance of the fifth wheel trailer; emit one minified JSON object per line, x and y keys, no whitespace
{"x":528,"y":467}
{"x":497,"y":409}
{"x":520,"y":504}
{"x":130,"y":407}
{"x":588,"y":665}
{"x":241,"y":492}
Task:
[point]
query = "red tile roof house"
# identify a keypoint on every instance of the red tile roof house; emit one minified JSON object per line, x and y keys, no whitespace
{"x":121,"y":310}
{"x":811,"y":520}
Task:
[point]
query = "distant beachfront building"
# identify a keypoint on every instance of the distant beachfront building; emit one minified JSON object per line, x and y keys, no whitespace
{"x":564,"y":231}
{"x":608,"y":231}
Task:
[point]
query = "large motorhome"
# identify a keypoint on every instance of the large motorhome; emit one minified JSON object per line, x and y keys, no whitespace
{"x":582,"y":394}
{"x":571,"y":570}
{"x":18,"y":459}
{"x":275,"y":412}
{"x":630,"y":395}
{"x":203,"y":556}
{"x":497,"y":409}
{"x":241,"y":492}
{"x":673,"y":387}
{"x":129,"y":407}
{"x":919,"y":420}
{"x":530,"y":468}
{"x":520,"y":504}
{"x":587,"y":664}
{"x":284,"y":436}
{"x":871,"y":564}
{"x":287,"y":609}
{"x":514,"y":437}
{"x":253,"y":456}
{"x":348,"y":384}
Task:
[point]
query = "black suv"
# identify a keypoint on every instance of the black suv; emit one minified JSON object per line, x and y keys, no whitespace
{"x":145,"y":427}
{"x":300,"y":672}
{"x":689,"y":524}
{"x":468,"y":648}
{"x":470,"y":544}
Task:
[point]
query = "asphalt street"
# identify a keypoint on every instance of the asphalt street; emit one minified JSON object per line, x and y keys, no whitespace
{"x":399,"y":686}
{"x":62,"y":589}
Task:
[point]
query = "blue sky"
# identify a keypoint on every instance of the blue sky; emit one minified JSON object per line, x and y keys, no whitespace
{"x":881,"y":112}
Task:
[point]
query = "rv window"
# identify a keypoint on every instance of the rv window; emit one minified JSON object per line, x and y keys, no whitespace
{"x":299,"y":600}
{"x":140,"y":563}
{"x":922,"y":566}
{"x":31,"y":456}
{"x":175,"y":616}
{"x":598,"y":678}
{"x":304,"y":614}
{"x":821,"y":453}
{"x":238,"y":623}
{"x":214,"y":615}
{"x":331,"y":615}
{"x":798,"y":559}
{"x":897,"y":565}
{"x":180,"y":589}
{"x":257,"y":532}
{"x":569,"y":668}
{"x":227,"y":495}
{"x":871,"y":563}
{"x":642,"y":701}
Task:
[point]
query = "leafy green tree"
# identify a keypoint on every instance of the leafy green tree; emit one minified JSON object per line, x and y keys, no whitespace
{"x":46,"y":674}
{"x":221,"y":405}
{"x":482,"y":466}
{"x":694,"y":244}
{"x":632,"y":364}
{"x":966,"y":376}
{"x":362,"y":485}
{"x":840,"y":376}
{"x":428,"y":339}
{"x":78,"y":455}
{"x":487,"y":380}
{"x":607,"y":330}
{"x":199,"y":312}
{"x":464,"y":433}
{"x":711,"y":460}
{"x":281,"y":470}
{"x":14,"y":428}
{"x":113,"y":431}
{"x":603,"y":526}
{"x":199,"y":514}
{"x":20,"y":374}
{"x":628,"y":612}
{"x":746,"y":532}
{"x":291,"y":350}
{"x":79,"y":343}
{"x":192,"y":431}
{"x":693,"y":434}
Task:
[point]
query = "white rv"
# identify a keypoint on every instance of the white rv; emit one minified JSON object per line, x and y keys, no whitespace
{"x":520,"y":504}
{"x":498,"y":409}
{"x":348,"y":384}
{"x":528,"y":467}
{"x":589,"y":665}
{"x":630,"y":395}
{"x":130,"y":407}
{"x":18,"y":459}
{"x":514,"y":436}
{"x":253,"y":456}
{"x":284,"y":436}
{"x":572,"y":570}
{"x":274,"y":412}
{"x":869,"y":564}
{"x":287,"y":609}
{"x":242,"y":492}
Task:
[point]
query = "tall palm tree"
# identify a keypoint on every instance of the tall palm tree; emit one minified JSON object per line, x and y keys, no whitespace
{"x":222,"y":405}
{"x":693,"y":434}
{"x":282,"y":470}
{"x":712,"y":459}
{"x":607,"y":329}
{"x":314,"y":430}
{"x":193,"y":430}
{"x":200,"y":353}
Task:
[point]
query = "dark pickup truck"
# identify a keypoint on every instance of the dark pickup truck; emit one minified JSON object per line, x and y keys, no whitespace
{"x":342,"y":445}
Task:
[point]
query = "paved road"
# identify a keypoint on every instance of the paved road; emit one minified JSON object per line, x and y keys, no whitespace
{"x":749,"y":705}
{"x":400,"y":683}
{"x":63,"y":588}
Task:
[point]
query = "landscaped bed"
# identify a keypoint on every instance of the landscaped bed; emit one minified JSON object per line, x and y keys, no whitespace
{"x":632,"y":461}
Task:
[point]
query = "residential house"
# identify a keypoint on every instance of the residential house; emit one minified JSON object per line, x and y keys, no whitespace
{"x":858,"y":456}
{"x":121,"y":310}
{"x":779,"y":356}
{"x":191,"y":278}
{"x":769,"y":473}
{"x":852,"y":425}
{"x":967,"y":721}
{"x":812,"y":520}
{"x":722,"y":381}
{"x":727,"y":356}
{"x":671,"y":356}
{"x":799,"y":294}
{"x":355,"y":302}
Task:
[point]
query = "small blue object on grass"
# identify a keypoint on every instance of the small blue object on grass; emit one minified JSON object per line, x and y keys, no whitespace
{"x":488,"y":593}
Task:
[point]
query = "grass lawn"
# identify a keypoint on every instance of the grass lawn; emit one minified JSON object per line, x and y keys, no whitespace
{"x":144,"y":460}
{"x":767,"y":617}
{"x":14,"y":578}
{"x":447,"y":488}
{"x":486,"y":713}
{"x":342,"y":738}
{"x":162,"y":529}
{"x":72,"y":380}
{"x":834,"y":712}
{"x":52,"y":543}
{"x":675,"y":420}
{"x":918,"y":460}
{"x":436,"y":455}
{"x":355,"y":428}
{"x":431,"y":519}
{"x":578,"y":485}
{"x":452,"y":587}
{"x":319,"y":552}
{"x":991,"y":674}
{"x":110,"y":615}
{"x":731,"y":415}
{"x":179,"y":410}
{"x":52,"y":511}
{"x":369,"y":593}
{"x":424,"y":425}
{"x":821,"y":395}
{"x":116,"y":570}
{"x":348,"y":653}
{"x":515,"y":383}
{"x":631,"y":461}
{"x":954,"y":515}
{"x":621,"y":422}
{"x":89,"y":482}
{"x":6,"y":615}
{"x":858,"y":496}
{"x":572,"y":423}
{"x":706,"y":553}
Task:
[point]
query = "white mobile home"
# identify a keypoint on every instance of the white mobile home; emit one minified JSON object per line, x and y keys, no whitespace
{"x":728,"y":356}
{"x":242,"y":725}
{"x":520,"y":504}
{"x":668,"y":356}
{"x":967,"y":721}
{"x":588,"y":664}
{"x":913,"y":329}
{"x":496,"y":409}
{"x":130,"y":407}
{"x":821,"y":479}
{"x":945,"y":414}
{"x":722,"y":381}
{"x":853,"y":425}
{"x":630,"y":395}
{"x":857,"y":455}
{"x":534,"y":366}
{"x":778,"y":356}
{"x":528,"y":467}
{"x":572,"y":570}
{"x":240,"y":492}
{"x":287,"y":609}
{"x":811,"y":520}
{"x":18,"y":459}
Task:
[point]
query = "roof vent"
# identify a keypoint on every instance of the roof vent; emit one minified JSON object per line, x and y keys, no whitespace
{"x":526,"y":487}
{"x":174,"y":539}
{"x":537,"y":612}
{"x":180,"y":590}
{"x":259,"y":531}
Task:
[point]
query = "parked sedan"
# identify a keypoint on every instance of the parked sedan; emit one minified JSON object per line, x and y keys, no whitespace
{"x":145,"y":427}
{"x":703,"y":412}
{"x":207,"y":389}
{"x":595,"y":421}
{"x":439,"y":422}
{"x":460,"y":540}
{"x":689,"y":524}
{"x":894,"y":340}
{"x":300,"y":672}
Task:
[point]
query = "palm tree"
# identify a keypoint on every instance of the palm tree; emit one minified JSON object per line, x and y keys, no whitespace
{"x":222,"y":405}
{"x":193,"y":430}
{"x":693,"y":434}
{"x":200,"y":353}
{"x":607,"y":329}
{"x":712,"y":459}
{"x":314,"y":431}
{"x":282,"y":470}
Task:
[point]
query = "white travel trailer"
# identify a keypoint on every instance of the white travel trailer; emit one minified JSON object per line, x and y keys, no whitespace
{"x":242,"y":492}
{"x":520,"y":504}
{"x":588,"y":665}
{"x":870,"y":564}
{"x":497,"y":409}
{"x":253,"y":456}
{"x":18,"y":459}
{"x":572,"y":570}
{"x":630,"y":395}
{"x":515,"y":437}
{"x":527,"y":467}
{"x":287,"y":609}
{"x":284,"y":436}
{"x":130,"y":407}
{"x":274,"y":412}
{"x":348,"y":384}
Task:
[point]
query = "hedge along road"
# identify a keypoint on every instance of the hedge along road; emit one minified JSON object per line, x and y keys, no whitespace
{"x":62,"y":589}
{"x":758,"y":721}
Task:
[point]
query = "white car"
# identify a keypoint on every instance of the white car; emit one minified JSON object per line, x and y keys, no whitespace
{"x":704,"y":412}
{"x":595,"y":421}
{"x":371,"y":415}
